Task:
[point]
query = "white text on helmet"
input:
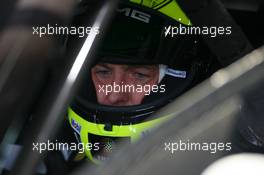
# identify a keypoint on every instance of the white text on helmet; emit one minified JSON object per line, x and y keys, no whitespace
{"x":133,"y":13}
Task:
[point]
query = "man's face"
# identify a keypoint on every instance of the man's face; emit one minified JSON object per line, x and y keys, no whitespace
{"x":106,"y":75}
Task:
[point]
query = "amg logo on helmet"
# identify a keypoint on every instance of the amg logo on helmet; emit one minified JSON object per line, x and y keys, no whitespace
{"x":133,"y":13}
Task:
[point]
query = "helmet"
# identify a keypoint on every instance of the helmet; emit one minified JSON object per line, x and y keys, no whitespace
{"x":136,"y":36}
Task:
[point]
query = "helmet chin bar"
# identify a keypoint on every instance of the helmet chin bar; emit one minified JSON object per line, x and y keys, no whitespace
{"x":103,"y":141}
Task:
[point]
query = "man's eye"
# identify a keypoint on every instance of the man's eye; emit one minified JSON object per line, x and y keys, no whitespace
{"x":103,"y":72}
{"x":140,"y":75}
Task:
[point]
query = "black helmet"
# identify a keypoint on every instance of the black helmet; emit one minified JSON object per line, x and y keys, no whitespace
{"x":136,"y":36}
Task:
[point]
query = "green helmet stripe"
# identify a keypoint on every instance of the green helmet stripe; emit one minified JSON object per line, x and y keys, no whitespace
{"x":166,"y":7}
{"x":134,"y":131}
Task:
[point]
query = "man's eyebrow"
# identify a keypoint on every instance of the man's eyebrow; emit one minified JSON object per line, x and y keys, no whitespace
{"x":103,"y":65}
{"x":143,"y":66}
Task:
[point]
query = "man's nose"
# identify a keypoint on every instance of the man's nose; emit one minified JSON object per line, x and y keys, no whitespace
{"x":119,"y":78}
{"x":118,"y":98}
